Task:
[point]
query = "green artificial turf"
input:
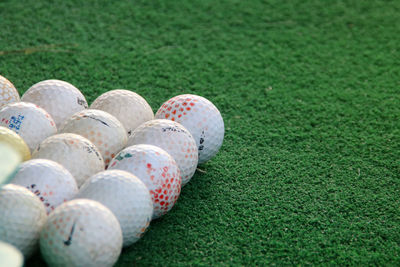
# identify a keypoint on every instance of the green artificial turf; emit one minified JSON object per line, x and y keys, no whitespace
{"x":309,"y":171}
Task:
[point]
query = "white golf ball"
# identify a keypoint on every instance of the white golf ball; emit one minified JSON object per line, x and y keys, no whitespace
{"x":126,"y":196}
{"x":128,"y":107}
{"x":76,"y":153}
{"x":81,"y":232}
{"x":10,"y":256}
{"x":174,"y":139}
{"x":8,"y":93}
{"x":60,"y":99}
{"x":156,"y":169}
{"x":200,"y":117}
{"x":22,"y":218}
{"x":48,"y":180}
{"x":102,"y":129}
{"x":31,"y":122}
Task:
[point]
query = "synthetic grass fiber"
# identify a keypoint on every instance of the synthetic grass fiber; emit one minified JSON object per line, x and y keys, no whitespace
{"x":309,"y":172}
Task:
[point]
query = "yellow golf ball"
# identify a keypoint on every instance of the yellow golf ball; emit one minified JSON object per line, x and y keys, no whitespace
{"x":15,"y":141}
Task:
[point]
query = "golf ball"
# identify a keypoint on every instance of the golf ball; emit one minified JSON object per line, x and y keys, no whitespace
{"x":10,"y":256}
{"x":60,"y":99}
{"x":174,"y":139}
{"x":76,"y":153}
{"x":156,"y":169}
{"x":128,"y":107}
{"x":81,"y":232}
{"x":15,"y":141}
{"x":8,"y":93}
{"x":126,"y":196}
{"x":22,"y":218}
{"x":200,"y":117}
{"x":31,"y":122}
{"x":9,"y":162}
{"x":101,"y":128}
{"x":48,"y":180}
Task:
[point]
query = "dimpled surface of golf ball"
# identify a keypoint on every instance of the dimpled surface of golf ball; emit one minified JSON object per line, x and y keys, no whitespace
{"x":200,"y":117}
{"x":102,"y":129}
{"x":29,"y":121}
{"x":48,"y":180}
{"x":128,"y":107}
{"x":22,"y":218}
{"x":174,"y":139}
{"x":15,"y":141}
{"x":126,"y":196}
{"x":60,"y":99}
{"x":8,"y":93}
{"x":76,"y":153}
{"x":81,"y":232}
{"x":156,"y":169}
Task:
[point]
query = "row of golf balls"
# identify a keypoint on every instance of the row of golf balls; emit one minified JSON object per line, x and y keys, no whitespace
{"x":148,"y":161}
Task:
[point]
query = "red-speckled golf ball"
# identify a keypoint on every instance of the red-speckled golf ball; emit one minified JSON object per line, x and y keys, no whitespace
{"x":202,"y":119}
{"x":157,"y":170}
